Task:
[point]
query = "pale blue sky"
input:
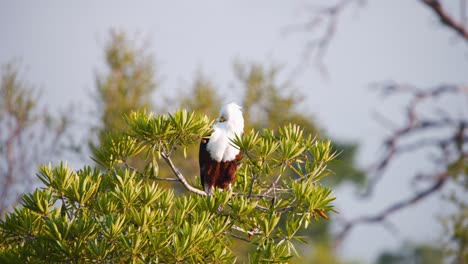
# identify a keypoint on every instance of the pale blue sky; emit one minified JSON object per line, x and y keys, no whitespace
{"x":60,"y":47}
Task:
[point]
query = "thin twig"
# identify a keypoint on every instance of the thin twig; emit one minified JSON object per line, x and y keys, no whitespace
{"x":238,"y":237}
{"x":327,"y":17}
{"x":254,"y":231}
{"x":273,"y":184}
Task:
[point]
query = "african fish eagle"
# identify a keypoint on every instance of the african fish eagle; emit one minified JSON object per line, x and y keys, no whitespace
{"x":218,"y":159}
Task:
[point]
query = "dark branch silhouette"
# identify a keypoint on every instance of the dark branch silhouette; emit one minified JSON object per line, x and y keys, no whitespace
{"x":415,"y":124}
{"x":322,"y":25}
{"x":448,"y":20}
{"x":441,"y":179}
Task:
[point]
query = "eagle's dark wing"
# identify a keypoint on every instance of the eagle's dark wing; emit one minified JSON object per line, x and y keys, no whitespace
{"x":205,"y":161}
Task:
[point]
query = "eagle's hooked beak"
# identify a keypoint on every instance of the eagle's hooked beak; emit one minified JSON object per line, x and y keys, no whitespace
{"x":222,"y":119}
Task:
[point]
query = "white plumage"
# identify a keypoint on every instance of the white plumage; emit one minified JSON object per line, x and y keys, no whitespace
{"x":230,"y":123}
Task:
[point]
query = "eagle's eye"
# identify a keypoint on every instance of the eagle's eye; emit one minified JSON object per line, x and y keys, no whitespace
{"x":222,"y":119}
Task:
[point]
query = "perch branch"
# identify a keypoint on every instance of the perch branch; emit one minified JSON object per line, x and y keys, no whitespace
{"x":180,"y":176}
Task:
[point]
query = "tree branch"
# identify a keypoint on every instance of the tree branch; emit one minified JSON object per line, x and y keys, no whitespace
{"x":380,"y":217}
{"x":180,"y":176}
{"x":252,"y":232}
{"x":415,"y":124}
{"x":446,"y":19}
{"x":165,"y":179}
{"x":238,"y":237}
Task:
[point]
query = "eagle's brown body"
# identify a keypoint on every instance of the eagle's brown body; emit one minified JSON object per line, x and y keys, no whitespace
{"x":215,"y":174}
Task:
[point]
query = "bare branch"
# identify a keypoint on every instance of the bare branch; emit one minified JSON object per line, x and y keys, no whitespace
{"x":165,"y":179}
{"x":238,"y":237}
{"x":133,"y":169}
{"x":414,"y":124}
{"x":451,"y":147}
{"x":180,"y":176}
{"x":446,"y":19}
{"x":380,"y":217}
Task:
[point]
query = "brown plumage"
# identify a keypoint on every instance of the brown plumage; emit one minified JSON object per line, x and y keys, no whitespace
{"x":215,"y":174}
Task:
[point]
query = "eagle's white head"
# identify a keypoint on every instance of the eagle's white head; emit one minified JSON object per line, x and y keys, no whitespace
{"x":230,"y":123}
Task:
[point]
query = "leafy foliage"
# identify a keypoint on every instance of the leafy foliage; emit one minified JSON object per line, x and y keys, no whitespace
{"x":120,"y":214}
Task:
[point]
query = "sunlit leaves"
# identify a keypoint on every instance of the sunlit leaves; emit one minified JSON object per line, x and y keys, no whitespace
{"x":162,"y":135}
{"x":58,"y":178}
{"x":22,"y":221}
{"x":148,"y":128}
{"x":269,"y":144}
{"x":57,"y":229}
{"x":312,"y":197}
{"x":214,"y":202}
{"x":113,"y":226}
{"x":39,"y":202}
{"x":99,"y":249}
{"x":82,"y":189}
{"x":268,"y":224}
{"x":247,"y":141}
{"x":242,"y":206}
{"x":181,"y":128}
{"x":189,"y":126}
{"x":189,"y":238}
{"x":117,"y":149}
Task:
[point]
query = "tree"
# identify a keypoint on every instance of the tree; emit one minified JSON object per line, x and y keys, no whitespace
{"x":27,"y":135}
{"x":117,"y":215}
{"x":126,"y":87}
